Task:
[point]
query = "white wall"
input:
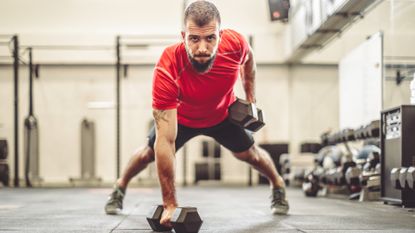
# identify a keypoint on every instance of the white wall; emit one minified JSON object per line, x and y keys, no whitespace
{"x":47,"y":22}
{"x":299,"y":103}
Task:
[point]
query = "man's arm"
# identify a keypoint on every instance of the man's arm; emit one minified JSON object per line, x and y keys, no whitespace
{"x":248,"y":71}
{"x":164,"y":149}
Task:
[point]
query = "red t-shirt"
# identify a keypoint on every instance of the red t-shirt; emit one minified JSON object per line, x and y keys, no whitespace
{"x":202,"y":100}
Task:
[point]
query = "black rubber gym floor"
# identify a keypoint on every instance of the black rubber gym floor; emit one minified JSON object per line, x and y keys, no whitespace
{"x":222,"y":209}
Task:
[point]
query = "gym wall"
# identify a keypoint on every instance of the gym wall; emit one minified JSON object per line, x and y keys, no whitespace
{"x":63,"y":93}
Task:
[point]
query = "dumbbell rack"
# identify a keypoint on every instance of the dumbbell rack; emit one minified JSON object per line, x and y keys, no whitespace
{"x":398,"y":149}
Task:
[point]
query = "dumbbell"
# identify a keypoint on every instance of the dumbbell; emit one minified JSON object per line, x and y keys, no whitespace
{"x":311,"y":185}
{"x":184,"y":219}
{"x":246,"y":115}
{"x":410,"y":177}
{"x":402,"y":177}
{"x":338,"y":177}
{"x":394,"y":177}
{"x":352,"y":176}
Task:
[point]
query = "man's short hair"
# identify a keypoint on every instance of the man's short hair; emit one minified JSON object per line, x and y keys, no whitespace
{"x":201,"y":13}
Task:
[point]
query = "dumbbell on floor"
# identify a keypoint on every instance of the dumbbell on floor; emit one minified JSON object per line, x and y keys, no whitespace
{"x":246,"y":115}
{"x":402,"y":177}
{"x":410,"y":177}
{"x":184,"y":220}
{"x":394,"y":177}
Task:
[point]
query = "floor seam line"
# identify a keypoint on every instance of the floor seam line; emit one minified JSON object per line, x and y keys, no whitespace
{"x":128,"y":214}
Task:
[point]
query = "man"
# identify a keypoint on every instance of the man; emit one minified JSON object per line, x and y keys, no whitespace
{"x":192,"y":90}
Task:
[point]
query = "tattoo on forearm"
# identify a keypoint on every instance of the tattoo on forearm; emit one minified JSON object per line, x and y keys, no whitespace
{"x":159,"y":115}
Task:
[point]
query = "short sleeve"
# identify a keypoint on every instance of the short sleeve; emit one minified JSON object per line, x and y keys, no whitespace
{"x":165,"y":89}
{"x":244,"y":46}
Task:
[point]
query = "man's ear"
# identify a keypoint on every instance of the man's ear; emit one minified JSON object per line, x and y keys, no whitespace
{"x":183,"y":35}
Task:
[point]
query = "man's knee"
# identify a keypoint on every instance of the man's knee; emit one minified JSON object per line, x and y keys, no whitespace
{"x":251,"y":155}
{"x":146,"y":153}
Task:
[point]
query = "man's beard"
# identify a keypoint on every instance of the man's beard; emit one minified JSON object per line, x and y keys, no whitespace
{"x":201,"y":67}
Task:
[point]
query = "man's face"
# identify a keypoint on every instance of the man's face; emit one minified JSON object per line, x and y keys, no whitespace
{"x":201,"y":44}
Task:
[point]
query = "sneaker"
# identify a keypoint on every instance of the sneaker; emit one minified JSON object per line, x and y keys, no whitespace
{"x":279,"y":204}
{"x":114,"y":203}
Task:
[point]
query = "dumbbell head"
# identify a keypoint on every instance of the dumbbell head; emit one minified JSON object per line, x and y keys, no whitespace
{"x":402,"y":177}
{"x":246,"y":115}
{"x":186,"y":220}
{"x":352,"y":176}
{"x":394,"y":177}
{"x":338,"y":177}
{"x":154,"y":217}
{"x":311,"y":185}
{"x":256,"y":125}
{"x":410,"y":177}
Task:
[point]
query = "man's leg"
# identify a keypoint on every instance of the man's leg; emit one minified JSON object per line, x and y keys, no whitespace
{"x":141,"y":158}
{"x":241,"y":143}
{"x":260,"y":159}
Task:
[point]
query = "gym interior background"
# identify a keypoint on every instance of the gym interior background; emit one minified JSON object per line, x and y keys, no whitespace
{"x":87,"y":126}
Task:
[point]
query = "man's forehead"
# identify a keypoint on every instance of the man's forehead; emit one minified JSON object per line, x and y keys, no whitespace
{"x":209,"y":28}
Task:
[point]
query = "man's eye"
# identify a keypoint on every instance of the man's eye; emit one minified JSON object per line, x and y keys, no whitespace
{"x":194,"y":39}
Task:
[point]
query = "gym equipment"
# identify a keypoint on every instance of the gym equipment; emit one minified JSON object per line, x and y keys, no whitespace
{"x":311,"y":185}
{"x":398,"y":149}
{"x":338,"y":177}
{"x":4,"y":152}
{"x":31,"y":135}
{"x":285,"y":168}
{"x":410,"y":177}
{"x":88,"y":176}
{"x":153,"y":218}
{"x":246,"y":115}
{"x":372,"y":129}
{"x":373,"y":159}
{"x":402,"y":177}
{"x":359,"y":133}
{"x":184,"y":219}
{"x":371,"y":189}
{"x":299,"y":176}
{"x":394,"y":177}
{"x":309,"y":147}
{"x":352,"y":176}
{"x":348,"y":135}
{"x":31,"y":151}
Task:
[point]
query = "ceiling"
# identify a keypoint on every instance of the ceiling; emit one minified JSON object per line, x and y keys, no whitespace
{"x":396,"y":18}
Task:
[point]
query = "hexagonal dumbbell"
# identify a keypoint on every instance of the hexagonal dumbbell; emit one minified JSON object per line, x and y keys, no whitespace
{"x":402,"y":177}
{"x":153,"y":218}
{"x":394,"y":177}
{"x":184,"y":220}
{"x":246,"y":115}
{"x":410,"y":177}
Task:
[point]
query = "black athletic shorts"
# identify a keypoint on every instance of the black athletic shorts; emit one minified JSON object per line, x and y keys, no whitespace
{"x":229,"y":135}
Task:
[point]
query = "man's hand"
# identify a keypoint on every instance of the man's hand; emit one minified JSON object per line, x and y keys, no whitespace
{"x":166,"y":216}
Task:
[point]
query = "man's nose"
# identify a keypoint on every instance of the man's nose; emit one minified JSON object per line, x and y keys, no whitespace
{"x":203,"y":47}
